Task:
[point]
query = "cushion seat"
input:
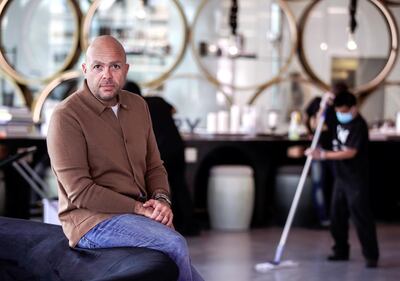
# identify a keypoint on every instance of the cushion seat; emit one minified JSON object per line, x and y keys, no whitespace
{"x":37,"y":251}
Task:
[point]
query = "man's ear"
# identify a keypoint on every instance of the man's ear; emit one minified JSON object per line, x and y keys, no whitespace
{"x":84,"y":68}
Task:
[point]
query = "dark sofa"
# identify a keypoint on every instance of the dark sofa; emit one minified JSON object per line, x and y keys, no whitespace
{"x":37,"y":251}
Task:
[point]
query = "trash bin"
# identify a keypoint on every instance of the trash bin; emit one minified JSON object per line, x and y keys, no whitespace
{"x":230,"y":197}
{"x":287,"y":179}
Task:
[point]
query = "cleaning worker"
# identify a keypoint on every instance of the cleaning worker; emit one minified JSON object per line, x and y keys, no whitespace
{"x":350,"y":193}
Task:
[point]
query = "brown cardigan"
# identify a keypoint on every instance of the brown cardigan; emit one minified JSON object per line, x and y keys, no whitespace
{"x":103,"y":164}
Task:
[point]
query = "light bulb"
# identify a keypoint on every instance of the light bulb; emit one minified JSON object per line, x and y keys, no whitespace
{"x":141,"y":14}
{"x":212,"y":48}
{"x":234,"y":45}
{"x":233,"y":50}
{"x":351,"y":43}
{"x":323,"y":46}
{"x":141,"y":11}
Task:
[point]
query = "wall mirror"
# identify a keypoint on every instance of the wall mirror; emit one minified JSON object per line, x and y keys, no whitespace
{"x":10,"y":93}
{"x":38,"y":39}
{"x":153,"y":32}
{"x":192,"y":109}
{"x":243,"y":44}
{"x":336,"y":44}
{"x":285,"y":95}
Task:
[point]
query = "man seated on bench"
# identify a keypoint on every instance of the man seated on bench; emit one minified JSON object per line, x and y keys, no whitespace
{"x":113,"y":187}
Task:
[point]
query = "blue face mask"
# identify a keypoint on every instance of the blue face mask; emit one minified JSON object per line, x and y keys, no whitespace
{"x":344,"y":117}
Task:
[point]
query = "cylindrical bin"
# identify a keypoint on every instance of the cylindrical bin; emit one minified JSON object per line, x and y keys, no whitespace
{"x":287,"y":179}
{"x":230,"y":197}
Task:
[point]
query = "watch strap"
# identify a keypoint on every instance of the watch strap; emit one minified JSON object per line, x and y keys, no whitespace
{"x":164,"y":197}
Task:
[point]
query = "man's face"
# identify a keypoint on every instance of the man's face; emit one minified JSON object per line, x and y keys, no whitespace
{"x":105,"y":71}
{"x":345,"y":113}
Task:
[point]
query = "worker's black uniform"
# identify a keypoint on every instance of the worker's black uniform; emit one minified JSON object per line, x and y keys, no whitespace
{"x":351,"y":194}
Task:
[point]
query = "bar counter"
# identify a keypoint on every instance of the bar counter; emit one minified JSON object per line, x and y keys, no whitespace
{"x":264,"y":153}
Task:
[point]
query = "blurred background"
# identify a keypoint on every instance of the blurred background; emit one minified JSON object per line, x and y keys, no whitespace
{"x":263,"y":56}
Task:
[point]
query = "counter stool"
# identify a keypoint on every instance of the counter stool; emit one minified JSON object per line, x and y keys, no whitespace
{"x":230,"y":197}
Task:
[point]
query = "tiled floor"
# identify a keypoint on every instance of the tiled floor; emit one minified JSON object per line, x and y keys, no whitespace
{"x":231,"y":256}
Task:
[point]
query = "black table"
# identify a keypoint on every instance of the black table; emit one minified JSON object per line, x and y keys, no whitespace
{"x":265,"y":154}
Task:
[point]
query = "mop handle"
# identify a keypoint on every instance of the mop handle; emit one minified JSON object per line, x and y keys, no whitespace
{"x":299,"y":189}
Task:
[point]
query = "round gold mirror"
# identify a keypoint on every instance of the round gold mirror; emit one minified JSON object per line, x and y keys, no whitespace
{"x":153,"y":32}
{"x":10,"y":93}
{"x":203,"y":94}
{"x":295,"y":89}
{"x":285,"y":95}
{"x":38,"y":39}
{"x":243,"y":44}
{"x":331,"y":48}
{"x":57,"y":90}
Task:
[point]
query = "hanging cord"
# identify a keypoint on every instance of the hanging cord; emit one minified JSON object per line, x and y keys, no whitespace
{"x":233,"y":17}
{"x":352,"y":12}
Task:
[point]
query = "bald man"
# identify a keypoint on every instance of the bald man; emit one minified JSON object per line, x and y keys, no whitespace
{"x":113,"y":187}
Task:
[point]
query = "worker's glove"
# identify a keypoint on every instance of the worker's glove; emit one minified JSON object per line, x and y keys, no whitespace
{"x":327,"y":99}
{"x":317,"y":153}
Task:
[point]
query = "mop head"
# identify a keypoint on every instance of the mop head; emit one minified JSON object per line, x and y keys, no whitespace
{"x":268,"y":266}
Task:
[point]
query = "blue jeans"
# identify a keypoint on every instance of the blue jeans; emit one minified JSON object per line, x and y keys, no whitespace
{"x":131,"y":230}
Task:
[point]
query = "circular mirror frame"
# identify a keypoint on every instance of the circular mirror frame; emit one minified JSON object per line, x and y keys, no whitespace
{"x":158,"y":80}
{"x":199,"y":77}
{"x":18,"y":90}
{"x":282,"y":80}
{"x":68,"y":75}
{"x":293,"y":35}
{"x":391,"y":2}
{"x":69,"y":61}
{"x":368,"y":87}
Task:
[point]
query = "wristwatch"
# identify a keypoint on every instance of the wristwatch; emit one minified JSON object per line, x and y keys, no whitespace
{"x":162,"y":196}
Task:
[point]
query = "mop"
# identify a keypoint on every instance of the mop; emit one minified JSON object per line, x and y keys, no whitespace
{"x":277,"y":262}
